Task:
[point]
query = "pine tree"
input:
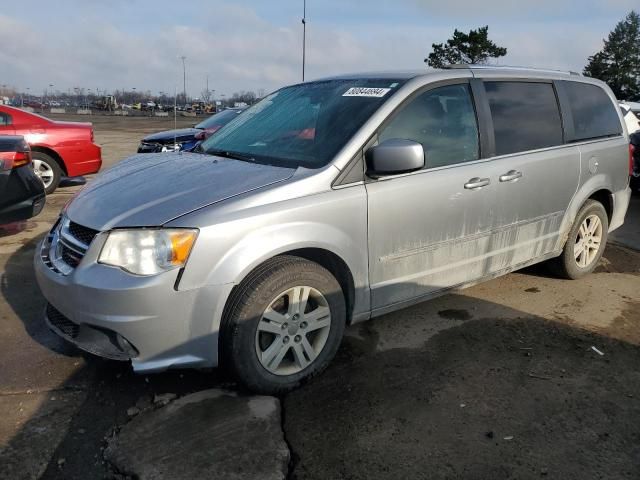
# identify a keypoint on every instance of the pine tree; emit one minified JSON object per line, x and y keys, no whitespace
{"x":472,"y":47}
{"x":618,"y":63}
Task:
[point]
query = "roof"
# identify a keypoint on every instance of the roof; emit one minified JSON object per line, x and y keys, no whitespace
{"x":508,"y":71}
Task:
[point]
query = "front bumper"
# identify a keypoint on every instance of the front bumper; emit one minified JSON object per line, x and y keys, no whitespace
{"x":81,"y":160}
{"x":114,"y":314}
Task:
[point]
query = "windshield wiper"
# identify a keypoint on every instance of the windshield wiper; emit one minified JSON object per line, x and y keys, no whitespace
{"x":229,"y":154}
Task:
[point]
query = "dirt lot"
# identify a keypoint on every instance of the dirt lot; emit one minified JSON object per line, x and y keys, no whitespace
{"x":498,"y":381}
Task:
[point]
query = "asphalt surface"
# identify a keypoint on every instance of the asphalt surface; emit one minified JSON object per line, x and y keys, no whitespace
{"x":497,"y":381}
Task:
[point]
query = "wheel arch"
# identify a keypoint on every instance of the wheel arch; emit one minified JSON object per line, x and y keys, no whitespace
{"x":325,"y":258}
{"x":53,"y":154}
{"x":605,"y":197}
{"x":595,"y":188}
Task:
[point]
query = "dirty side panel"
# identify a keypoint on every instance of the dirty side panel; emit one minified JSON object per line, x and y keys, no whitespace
{"x":427,"y":232}
{"x":529,"y":210}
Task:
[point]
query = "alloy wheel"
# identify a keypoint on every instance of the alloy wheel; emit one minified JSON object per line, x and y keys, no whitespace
{"x":44,"y":172}
{"x":588,"y":241}
{"x":293,"y":330}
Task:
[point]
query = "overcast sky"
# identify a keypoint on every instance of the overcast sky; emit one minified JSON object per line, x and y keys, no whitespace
{"x":252,"y":44}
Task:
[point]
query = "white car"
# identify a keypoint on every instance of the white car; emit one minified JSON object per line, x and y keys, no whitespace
{"x":629,"y":114}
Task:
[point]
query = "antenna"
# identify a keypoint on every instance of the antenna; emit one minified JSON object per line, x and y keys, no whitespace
{"x":184,"y":78}
{"x":175,"y":114}
{"x":304,"y":34}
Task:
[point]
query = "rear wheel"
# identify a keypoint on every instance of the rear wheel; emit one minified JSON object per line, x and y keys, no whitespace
{"x":48,"y":170}
{"x":284,"y":325}
{"x":585,"y":244}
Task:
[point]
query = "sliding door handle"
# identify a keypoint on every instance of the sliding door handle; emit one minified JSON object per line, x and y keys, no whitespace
{"x":510,"y":176}
{"x":476,"y":183}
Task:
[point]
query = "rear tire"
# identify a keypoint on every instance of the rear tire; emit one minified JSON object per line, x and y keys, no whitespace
{"x":283,"y":325}
{"x":585,"y":244}
{"x":48,"y":170}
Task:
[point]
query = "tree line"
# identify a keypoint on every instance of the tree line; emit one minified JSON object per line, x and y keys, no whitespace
{"x":617,"y":64}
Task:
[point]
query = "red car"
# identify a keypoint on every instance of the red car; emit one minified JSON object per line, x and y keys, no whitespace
{"x":58,"y":148}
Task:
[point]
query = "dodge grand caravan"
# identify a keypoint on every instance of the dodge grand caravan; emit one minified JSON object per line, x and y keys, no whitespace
{"x":332,"y":202}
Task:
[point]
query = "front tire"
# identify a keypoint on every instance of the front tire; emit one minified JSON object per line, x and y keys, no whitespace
{"x":283,"y":325}
{"x":585,"y":244}
{"x":48,"y":170}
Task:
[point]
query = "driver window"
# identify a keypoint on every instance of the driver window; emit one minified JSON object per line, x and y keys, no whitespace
{"x":443,"y":120}
{"x":4,"y":119}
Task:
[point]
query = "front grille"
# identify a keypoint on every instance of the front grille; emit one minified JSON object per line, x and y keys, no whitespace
{"x":84,"y":234}
{"x":70,"y":257}
{"x":62,"y":323}
{"x":146,"y":147}
{"x":66,"y":245}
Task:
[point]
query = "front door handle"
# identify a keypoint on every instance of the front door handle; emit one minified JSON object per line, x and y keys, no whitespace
{"x":476,"y":183}
{"x":510,"y":176}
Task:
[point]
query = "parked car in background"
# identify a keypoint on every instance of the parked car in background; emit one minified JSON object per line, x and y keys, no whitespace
{"x":333,"y":202}
{"x":630,"y":118}
{"x":21,"y":191}
{"x":58,"y":148}
{"x":186,"y":139}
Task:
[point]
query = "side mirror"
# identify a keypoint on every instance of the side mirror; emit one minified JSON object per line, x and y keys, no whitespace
{"x":394,"y":156}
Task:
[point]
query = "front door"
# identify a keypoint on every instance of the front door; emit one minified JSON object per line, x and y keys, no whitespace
{"x":431,"y":230}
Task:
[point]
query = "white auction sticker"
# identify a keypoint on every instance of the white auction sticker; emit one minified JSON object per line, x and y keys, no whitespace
{"x":366,"y":92}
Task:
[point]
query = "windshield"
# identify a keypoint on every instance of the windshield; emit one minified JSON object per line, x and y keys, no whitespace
{"x":303,"y":125}
{"x":219,"y":119}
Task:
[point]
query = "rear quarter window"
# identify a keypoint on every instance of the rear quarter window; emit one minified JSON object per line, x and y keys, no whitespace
{"x":594,"y":114}
{"x":5,"y":119}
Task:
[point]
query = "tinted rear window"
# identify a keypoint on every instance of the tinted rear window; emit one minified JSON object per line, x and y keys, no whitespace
{"x":525,"y":116}
{"x":594,"y":114}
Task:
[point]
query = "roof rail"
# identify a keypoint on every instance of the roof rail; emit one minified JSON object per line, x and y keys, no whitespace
{"x":475,"y":66}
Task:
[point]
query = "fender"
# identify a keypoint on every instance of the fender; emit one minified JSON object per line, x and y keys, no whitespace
{"x":268,"y":242}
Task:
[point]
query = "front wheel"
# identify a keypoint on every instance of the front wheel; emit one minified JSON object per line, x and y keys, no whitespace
{"x":284,"y":325}
{"x":585,"y":244}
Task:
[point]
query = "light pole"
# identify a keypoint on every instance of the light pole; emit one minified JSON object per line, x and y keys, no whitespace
{"x":184,"y":79}
{"x":304,"y":34}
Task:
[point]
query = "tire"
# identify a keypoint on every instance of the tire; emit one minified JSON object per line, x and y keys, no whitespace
{"x":277,"y":354}
{"x":568,"y":264}
{"x":48,"y":170}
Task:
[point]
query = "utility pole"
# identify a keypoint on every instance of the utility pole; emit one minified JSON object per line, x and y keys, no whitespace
{"x":184,"y":78}
{"x":304,"y":34}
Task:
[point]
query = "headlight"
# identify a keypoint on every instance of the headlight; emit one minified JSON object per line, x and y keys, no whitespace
{"x":148,"y":252}
{"x":172,"y":147}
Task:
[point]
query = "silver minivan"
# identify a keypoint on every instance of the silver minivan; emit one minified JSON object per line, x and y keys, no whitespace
{"x":332,"y":202}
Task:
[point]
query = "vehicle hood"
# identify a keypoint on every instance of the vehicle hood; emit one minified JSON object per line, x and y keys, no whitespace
{"x":181,"y":134}
{"x":152,"y":189}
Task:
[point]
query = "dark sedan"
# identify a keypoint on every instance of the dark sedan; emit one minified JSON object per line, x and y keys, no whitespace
{"x":21,"y":191}
{"x":187,"y":138}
